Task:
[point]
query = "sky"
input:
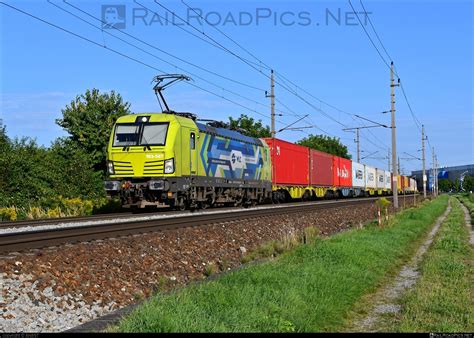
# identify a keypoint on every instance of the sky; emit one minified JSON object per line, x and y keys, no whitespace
{"x":319,"y":46}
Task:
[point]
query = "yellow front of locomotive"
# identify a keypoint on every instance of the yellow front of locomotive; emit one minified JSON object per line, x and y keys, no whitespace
{"x":144,"y":159}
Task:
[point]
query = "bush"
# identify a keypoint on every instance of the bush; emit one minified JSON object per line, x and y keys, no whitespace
{"x":8,"y":214}
{"x":33,"y":175}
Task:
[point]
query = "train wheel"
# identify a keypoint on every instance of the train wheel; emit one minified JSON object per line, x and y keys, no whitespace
{"x":181,"y":205}
{"x":306,"y":196}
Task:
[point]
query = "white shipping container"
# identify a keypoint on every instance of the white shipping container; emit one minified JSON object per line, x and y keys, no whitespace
{"x":358,"y":175}
{"x":413,"y":185}
{"x":388,"y":180}
{"x":380,"y":179}
{"x":370,"y":177}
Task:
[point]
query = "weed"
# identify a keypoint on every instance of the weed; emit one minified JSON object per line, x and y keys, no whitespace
{"x":210,"y":269}
{"x":224,"y":264}
{"x":162,"y":284}
{"x":266,"y":250}
{"x":138,"y":296}
{"x":382,"y":210}
{"x":310,"y":234}
{"x":247,"y":258}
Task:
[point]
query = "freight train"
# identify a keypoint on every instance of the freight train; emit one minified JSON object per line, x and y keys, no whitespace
{"x":172,"y":160}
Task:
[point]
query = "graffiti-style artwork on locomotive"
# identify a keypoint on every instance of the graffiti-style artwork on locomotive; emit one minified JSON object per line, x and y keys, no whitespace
{"x":231,"y":158}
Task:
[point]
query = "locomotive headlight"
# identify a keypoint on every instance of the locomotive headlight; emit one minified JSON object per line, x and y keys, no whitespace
{"x":110,"y":167}
{"x":169,"y":166}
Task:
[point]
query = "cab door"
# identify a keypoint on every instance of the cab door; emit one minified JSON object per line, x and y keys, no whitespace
{"x":189,"y":164}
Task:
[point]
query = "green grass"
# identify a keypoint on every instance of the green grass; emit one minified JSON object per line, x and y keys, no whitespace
{"x":441,"y":300}
{"x":311,"y":288}
{"x":468,"y":201}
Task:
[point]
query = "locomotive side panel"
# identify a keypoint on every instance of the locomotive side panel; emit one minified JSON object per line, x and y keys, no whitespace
{"x":228,"y":158}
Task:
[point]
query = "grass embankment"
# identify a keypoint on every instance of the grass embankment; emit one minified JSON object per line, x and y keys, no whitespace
{"x":468,"y":201}
{"x":310,"y":288}
{"x":441,"y":301}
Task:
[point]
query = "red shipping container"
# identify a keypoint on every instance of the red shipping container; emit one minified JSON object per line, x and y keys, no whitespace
{"x":290,"y":162}
{"x":321,"y":169}
{"x":342,"y":171}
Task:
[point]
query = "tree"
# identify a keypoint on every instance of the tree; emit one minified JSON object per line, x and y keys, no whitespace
{"x":89,"y":120}
{"x":330,"y":145}
{"x":445,"y":185}
{"x":248,"y":126}
{"x":457,"y":185}
{"x":72,"y":172}
{"x":4,"y":152}
{"x":468,"y":183}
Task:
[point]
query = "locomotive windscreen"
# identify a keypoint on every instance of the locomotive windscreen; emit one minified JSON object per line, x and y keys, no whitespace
{"x":138,"y":134}
{"x":126,"y":135}
{"x":154,"y":134}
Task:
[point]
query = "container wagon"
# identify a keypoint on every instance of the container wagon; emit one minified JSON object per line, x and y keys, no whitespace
{"x":388,"y":182}
{"x":342,"y":171}
{"x":370,"y":178}
{"x":321,"y":178}
{"x":290,"y":169}
{"x":358,"y":179}
{"x":406,"y":184}
{"x":380,"y":181}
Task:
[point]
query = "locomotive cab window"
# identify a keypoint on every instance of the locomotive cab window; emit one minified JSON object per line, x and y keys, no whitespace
{"x":154,"y":134}
{"x":192,"y":141}
{"x":126,"y":135}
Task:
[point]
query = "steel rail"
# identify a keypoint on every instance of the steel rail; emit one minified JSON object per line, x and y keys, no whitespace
{"x":58,"y":220}
{"x":19,"y":241}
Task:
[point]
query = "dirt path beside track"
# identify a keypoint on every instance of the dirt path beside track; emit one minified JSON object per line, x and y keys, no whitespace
{"x":467,"y":218}
{"x":385,"y":300}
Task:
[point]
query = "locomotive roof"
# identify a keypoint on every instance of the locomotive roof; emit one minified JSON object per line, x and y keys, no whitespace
{"x":228,"y":133}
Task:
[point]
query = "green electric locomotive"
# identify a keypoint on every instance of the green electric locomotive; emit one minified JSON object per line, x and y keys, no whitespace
{"x":170,"y":160}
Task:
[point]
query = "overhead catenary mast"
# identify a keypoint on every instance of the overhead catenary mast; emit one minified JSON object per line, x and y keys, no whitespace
{"x":394,"y":140}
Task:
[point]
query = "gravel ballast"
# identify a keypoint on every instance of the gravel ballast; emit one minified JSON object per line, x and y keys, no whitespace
{"x":55,"y":289}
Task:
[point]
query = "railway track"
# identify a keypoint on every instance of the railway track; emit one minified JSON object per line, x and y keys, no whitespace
{"x":53,"y":221}
{"x":18,"y":241}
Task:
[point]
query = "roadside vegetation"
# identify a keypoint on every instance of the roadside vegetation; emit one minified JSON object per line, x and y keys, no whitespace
{"x":447,"y":185}
{"x":65,"y":179}
{"x":468,"y":201}
{"x":441,"y":300}
{"x":310,"y":288}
